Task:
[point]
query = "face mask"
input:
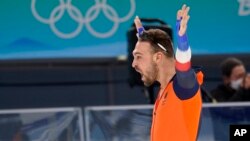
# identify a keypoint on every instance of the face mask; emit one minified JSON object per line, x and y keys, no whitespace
{"x":235,"y":84}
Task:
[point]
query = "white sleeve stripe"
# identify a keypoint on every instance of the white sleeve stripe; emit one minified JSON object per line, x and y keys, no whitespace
{"x":183,"y":56}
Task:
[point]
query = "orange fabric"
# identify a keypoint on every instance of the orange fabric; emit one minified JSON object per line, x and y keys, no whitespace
{"x":175,"y":119}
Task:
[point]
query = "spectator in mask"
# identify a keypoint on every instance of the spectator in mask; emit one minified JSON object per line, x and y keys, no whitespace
{"x":236,"y":82}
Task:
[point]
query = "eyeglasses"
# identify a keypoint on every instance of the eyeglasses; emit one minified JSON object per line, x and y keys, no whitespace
{"x":145,"y":36}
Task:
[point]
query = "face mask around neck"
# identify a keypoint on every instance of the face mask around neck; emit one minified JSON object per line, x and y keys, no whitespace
{"x":235,"y":84}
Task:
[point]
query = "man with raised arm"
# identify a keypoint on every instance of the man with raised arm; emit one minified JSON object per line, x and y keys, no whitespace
{"x":177,"y":110}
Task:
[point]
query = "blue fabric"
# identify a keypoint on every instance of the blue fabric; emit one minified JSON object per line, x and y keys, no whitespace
{"x":182,"y":41}
{"x":186,"y":79}
{"x":185,"y":93}
{"x":140,"y":30}
{"x":185,"y":84}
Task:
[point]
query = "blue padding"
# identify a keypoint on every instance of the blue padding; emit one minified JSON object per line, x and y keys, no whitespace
{"x":140,"y":30}
{"x":178,"y":22}
{"x":185,"y":93}
{"x":186,"y":79}
{"x":183,"y":42}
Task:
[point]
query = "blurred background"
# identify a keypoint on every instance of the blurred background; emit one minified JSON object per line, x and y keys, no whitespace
{"x":77,"y":54}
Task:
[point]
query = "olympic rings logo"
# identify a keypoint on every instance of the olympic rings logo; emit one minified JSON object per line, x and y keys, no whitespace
{"x":91,"y":14}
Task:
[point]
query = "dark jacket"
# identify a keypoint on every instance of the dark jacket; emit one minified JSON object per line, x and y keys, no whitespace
{"x":224,"y":93}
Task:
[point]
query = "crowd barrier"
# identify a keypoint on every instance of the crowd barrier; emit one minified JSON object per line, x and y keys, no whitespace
{"x":111,"y":123}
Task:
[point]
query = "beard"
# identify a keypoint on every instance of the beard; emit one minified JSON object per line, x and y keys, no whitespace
{"x":149,"y":77}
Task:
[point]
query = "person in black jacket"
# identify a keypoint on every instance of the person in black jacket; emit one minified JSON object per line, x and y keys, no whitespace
{"x":236,"y":82}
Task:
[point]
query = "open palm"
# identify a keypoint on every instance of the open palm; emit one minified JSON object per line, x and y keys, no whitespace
{"x":182,"y":15}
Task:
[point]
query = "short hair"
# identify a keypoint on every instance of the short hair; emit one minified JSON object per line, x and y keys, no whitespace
{"x":157,"y":36}
{"x":229,"y":64}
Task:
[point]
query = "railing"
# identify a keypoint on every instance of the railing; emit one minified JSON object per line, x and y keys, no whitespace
{"x":110,"y":123}
{"x":125,"y":123}
{"x":48,"y":124}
